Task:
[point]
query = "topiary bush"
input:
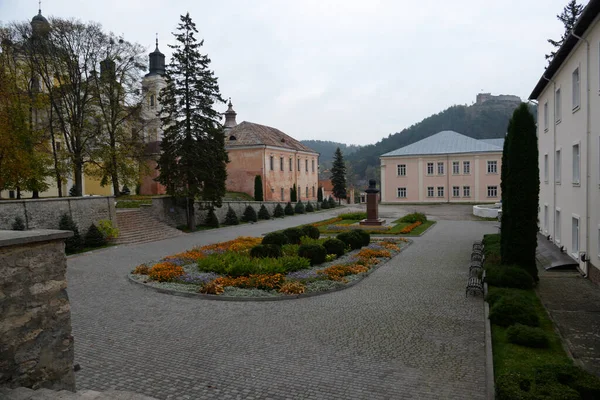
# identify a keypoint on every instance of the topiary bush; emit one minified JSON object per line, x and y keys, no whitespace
{"x":278,"y":238}
{"x":331,"y":202}
{"x":513,"y":386}
{"x":352,"y":239}
{"x":19,"y":224}
{"x":586,"y":384}
{"x":263,"y":213}
{"x":509,"y":311}
{"x":335,"y":246}
{"x":496,"y":294}
{"x":364,"y":235}
{"x":414,"y":217}
{"x":353,"y":215}
{"x":278,"y":212}
{"x":314,"y":252}
{"x":293,"y":235}
{"x":250,"y":215}
{"x":527,"y":336}
{"x":94,"y":238}
{"x":299,"y":208}
{"x":324,"y":205}
{"x":75,"y":242}
{"x":266,"y":250}
{"x":311,"y":231}
{"x":288,"y":210}
{"x":309,"y":207}
{"x":211,"y":219}
{"x":508,"y":277}
{"x":231,"y":217}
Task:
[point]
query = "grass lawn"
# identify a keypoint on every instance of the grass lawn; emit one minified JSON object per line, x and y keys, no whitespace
{"x":325,"y":227}
{"x":237,"y":196}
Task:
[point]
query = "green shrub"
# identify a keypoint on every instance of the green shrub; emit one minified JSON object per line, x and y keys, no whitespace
{"x":278,"y":238}
{"x":495,"y":294}
{"x":269,"y":266}
{"x":325,"y":205}
{"x":299,"y":208}
{"x":290,"y":249}
{"x":508,"y":277}
{"x":309,"y":240}
{"x":211,"y":219}
{"x":352,"y":239}
{"x":266,"y":250}
{"x":527,"y":336}
{"x":513,"y":386}
{"x":309,"y":207}
{"x":242,"y":266}
{"x":106,"y":227}
{"x":294,"y":263}
{"x":19,"y":224}
{"x":489,"y":239}
{"x":293,"y":235}
{"x":315,"y":253}
{"x":509,"y":311}
{"x":249,"y":215}
{"x":278,"y":212}
{"x":288,"y":210}
{"x":331,"y":202}
{"x":355,"y":216}
{"x":364,"y":235}
{"x":335,"y":246}
{"x":231,"y":217}
{"x":311,"y":231}
{"x":75,"y":242}
{"x":586,"y":384}
{"x":263,"y":213}
{"x":555,"y":391}
{"x":94,"y":238}
{"x":414,"y":217}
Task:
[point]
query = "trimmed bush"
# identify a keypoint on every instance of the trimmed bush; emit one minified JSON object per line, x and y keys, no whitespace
{"x":309,"y":207}
{"x":352,"y":239}
{"x":263,"y":213}
{"x":496,"y":294}
{"x":509,"y":311}
{"x":311,"y":231}
{"x":331,"y":202}
{"x":293,"y":235}
{"x":278,"y":212}
{"x":75,"y":242}
{"x":299,"y":208}
{"x":513,"y":386}
{"x":586,"y":384}
{"x":335,"y":246}
{"x":294,"y":263}
{"x":266,"y":250}
{"x":211,"y":219}
{"x":414,"y":217}
{"x":527,"y":336}
{"x":277,"y":238}
{"x":314,"y":252}
{"x":364,"y":235}
{"x":353,"y":215}
{"x":320,"y":195}
{"x":508,"y":277}
{"x":231,"y":217}
{"x":94,"y":238}
{"x":19,"y":224}
{"x":288,"y":210}
{"x":106,"y":227}
{"x":325,"y":205}
{"x":249,"y":215}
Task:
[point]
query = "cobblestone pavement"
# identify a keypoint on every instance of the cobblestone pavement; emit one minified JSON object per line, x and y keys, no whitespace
{"x":405,"y":332}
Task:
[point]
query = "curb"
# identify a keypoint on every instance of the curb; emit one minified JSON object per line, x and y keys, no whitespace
{"x":261,"y":299}
{"x":489,"y":355}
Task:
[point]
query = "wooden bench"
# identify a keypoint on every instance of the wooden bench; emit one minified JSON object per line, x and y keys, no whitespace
{"x":476,"y":271}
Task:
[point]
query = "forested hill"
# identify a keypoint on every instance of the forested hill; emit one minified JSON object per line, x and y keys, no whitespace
{"x":487,"y":120}
{"x":326,"y":149}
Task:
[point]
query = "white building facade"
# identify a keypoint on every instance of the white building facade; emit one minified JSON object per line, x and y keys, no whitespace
{"x":568,"y":96}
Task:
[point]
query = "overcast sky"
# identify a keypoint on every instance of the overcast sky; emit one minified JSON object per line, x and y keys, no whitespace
{"x":341,"y":70}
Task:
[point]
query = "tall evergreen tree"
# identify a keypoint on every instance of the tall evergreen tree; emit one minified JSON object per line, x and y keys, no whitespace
{"x":338,"y":175}
{"x":568,"y":17}
{"x":505,"y":222}
{"x":522,"y":183}
{"x":193,"y":160}
{"x":258,"y":188}
{"x":294,"y":194}
{"x":320,"y":195}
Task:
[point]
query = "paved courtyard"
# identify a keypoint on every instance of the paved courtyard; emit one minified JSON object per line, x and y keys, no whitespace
{"x":405,"y":332}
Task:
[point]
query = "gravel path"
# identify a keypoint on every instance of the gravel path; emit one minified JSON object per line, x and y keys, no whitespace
{"x":407,"y":331}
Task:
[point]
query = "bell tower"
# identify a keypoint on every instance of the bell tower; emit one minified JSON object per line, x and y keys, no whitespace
{"x":152,"y":83}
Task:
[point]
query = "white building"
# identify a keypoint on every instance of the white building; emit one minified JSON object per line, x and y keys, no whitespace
{"x":568,"y":94}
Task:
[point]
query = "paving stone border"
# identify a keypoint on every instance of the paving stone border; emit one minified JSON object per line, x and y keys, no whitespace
{"x":489,"y":355}
{"x":273,"y":298}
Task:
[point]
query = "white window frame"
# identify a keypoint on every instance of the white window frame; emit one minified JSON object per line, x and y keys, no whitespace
{"x":430,"y":191}
{"x":430,"y":170}
{"x":557,"y":106}
{"x":575,"y":234}
{"x":467,"y":167}
{"x":440,"y":189}
{"x":440,"y":168}
{"x":494,"y":190}
{"x":401,"y":192}
{"x":557,"y":165}
{"x":455,"y":167}
{"x":546,"y":116}
{"x":492,"y":167}
{"x":576,"y":81}
{"x":401,"y":170}
{"x":546,"y":167}
{"x":576,"y":164}
{"x":455,"y":191}
{"x":557,"y":224}
{"x":466,"y":191}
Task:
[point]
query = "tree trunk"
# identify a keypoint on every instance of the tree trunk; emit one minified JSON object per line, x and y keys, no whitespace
{"x":35,"y":194}
{"x":18,"y":193}
{"x":191,"y":221}
{"x":55,"y":155}
{"x":114,"y":175}
{"x":78,"y":178}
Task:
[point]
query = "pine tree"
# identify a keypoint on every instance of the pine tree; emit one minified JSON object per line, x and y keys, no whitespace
{"x":504,"y":189}
{"x":258,"y":188}
{"x":278,"y":212}
{"x":299,"y":208}
{"x":193,"y":159}
{"x":320,"y":195}
{"x":331,"y":202}
{"x":338,"y":175}
{"x":249,"y":215}
{"x":263,"y":213}
{"x":293,"y":194}
{"x":289,"y":209}
{"x":93,"y":237}
{"x":309,"y":207}
{"x":231,"y":217}
{"x":522,"y":184}
{"x":568,"y":17}
{"x":211,"y":219}
{"x":75,"y":242}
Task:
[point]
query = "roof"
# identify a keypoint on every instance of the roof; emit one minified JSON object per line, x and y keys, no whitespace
{"x":494,"y":142}
{"x":326,"y":184}
{"x":445,"y":142}
{"x":251,"y":134}
{"x":589,"y":14}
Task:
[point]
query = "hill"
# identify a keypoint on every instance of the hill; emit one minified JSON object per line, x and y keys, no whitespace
{"x":327,"y":148}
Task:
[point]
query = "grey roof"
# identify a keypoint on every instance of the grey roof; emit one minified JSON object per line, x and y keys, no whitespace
{"x":445,"y":142}
{"x":494,"y":142}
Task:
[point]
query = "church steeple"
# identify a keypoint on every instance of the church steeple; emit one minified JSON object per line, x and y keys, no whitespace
{"x":230,"y":117}
{"x":157,"y":61}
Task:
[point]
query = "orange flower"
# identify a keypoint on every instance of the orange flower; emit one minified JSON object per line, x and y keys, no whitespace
{"x":165,"y":272}
{"x":409,"y":228}
{"x":292,"y":287}
{"x":141,"y":270}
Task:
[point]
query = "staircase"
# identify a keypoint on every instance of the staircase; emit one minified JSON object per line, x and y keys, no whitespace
{"x":23,"y":393}
{"x":138,"y":226}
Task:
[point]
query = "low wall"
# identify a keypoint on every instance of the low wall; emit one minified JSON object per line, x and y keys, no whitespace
{"x":46,"y":213}
{"x":485,"y":211}
{"x":36,"y":346}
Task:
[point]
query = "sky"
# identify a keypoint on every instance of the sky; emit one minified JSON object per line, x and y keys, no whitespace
{"x":341,"y":70}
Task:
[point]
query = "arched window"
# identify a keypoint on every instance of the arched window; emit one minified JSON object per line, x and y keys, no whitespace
{"x":232,"y":137}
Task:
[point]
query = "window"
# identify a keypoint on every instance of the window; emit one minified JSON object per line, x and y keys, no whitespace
{"x":430,"y":191}
{"x":282,"y":194}
{"x":298,"y":165}
{"x":575,"y":237}
{"x":576,"y":89}
{"x":557,"y":227}
{"x":466,"y":191}
{"x":492,"y":167}
{"x":455,"y":167}
{"x":271,"y":161}
{"x":455,"y":191}
{"x":313,"y":191}
{"x":429,"y":168}
{"x":557,"y":167}
{"x":152,"y":100}
{"x":557,"y":106}
{"x":306,"y":165}
{"x":546,"y":168}
{"x":291,"y":165}
{"x":307,"y":192}
{"x":546,"y":218}
{"x":401,"y":169}
{"x":440,"y":191}
{"x":402,"y":192}
{"x":576,"y":165}
{"x":281,"y":163}
{"x":545,"y":116}
{"x":313,"y":165}
{"x":440,"y":168}
{"x":466,"y":167}
{"x":492,"y":191}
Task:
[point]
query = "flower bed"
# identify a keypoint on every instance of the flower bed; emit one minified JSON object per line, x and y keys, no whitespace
{"x":227,"y":269}
{"x":409,"y":228}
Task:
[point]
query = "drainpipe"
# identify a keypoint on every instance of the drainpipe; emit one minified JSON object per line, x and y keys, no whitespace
{"x":448,"y":175}
{"x":553,"y":157}
{"x":587,"y":155}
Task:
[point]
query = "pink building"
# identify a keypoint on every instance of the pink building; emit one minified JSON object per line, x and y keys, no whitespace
{"x":444,"y":168}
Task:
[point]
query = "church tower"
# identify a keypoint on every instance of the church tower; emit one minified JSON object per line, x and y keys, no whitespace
{"x":152,"y":83}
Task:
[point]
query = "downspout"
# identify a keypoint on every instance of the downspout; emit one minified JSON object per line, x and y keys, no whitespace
{"x":448,"y":175}
{"x":588,"y":146}
{"x":553,"y":157}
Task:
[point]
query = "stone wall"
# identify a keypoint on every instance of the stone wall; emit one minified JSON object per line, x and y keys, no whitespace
{"x":36,"y":346}
{"x":46,"y":213}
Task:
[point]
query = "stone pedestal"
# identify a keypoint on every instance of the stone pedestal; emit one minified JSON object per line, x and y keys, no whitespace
{"x":372,"y":206}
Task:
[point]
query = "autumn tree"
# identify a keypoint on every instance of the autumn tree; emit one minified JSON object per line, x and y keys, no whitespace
{"x":568,"y":17}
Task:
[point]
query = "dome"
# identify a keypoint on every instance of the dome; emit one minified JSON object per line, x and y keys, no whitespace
{"x":39,"y":18}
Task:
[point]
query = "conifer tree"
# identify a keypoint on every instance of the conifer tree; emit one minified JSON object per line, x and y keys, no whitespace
{"x":278,"y":212}
{"x":320,"y":195}
{"x":263,"y":213}
{"x":193,"y":159}
{"x":338,"y":175}
{"x":231,"y":217}
{"x":504,"y":189}
{"x":293,"y":194}
{"x":258,"y":188}
{"x":568,"y":17}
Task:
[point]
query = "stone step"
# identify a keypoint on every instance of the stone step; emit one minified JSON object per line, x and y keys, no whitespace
{"x":139,"y":226}
{"x":22,"y":393}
